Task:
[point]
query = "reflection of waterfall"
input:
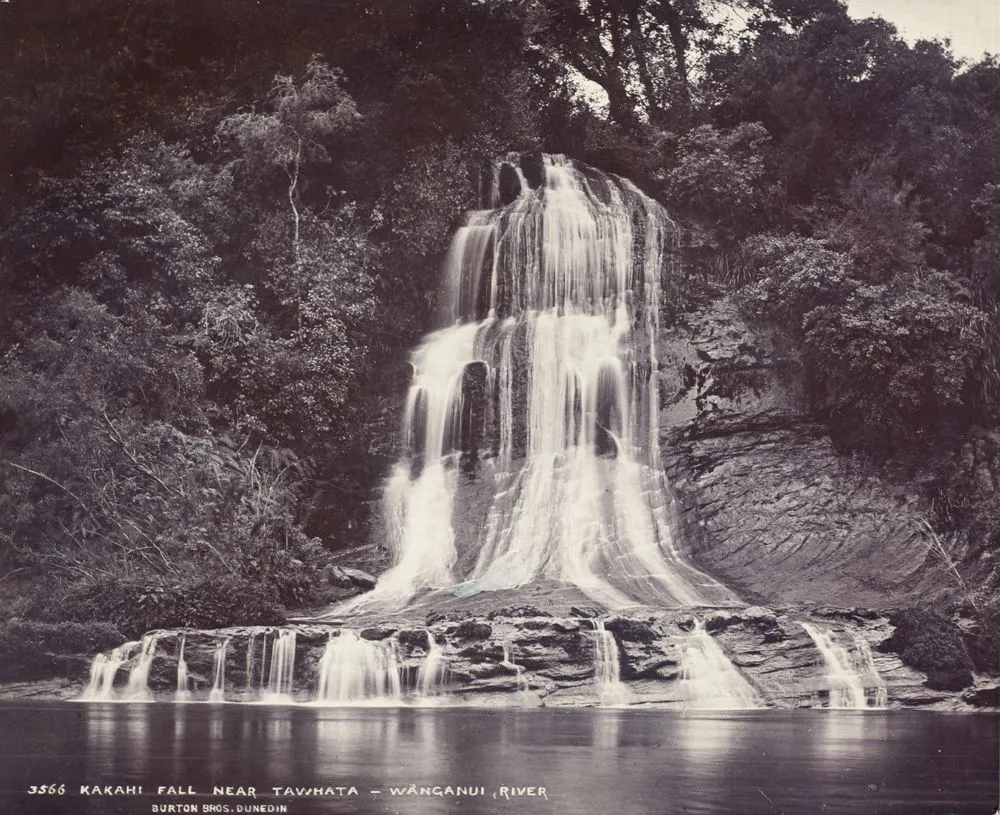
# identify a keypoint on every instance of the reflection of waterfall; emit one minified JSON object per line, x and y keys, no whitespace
{"x":710,"y":680}
{"x":432,"y":675}
{"x":353,"y":669}
{"x":138,"y":679}
{"x":183,"y":693}
{"x":607,"y":669}
{"x":103,"y":671}
{"x":548,"y":370}
{"x":844,"y":674}
{"x":281,"y":677}
{"x":218,"y":692}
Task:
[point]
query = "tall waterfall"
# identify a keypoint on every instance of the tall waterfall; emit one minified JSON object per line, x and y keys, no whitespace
{"x":711,"y":681}
{"x":545,"y":380}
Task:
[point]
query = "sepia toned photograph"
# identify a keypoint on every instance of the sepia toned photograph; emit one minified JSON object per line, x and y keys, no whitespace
{"x":503,"y":407}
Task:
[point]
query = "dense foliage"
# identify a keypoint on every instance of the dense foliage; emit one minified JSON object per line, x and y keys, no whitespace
{"x":221,"y":231}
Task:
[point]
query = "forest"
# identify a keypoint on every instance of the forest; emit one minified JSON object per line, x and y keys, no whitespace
{"x":222,"y":232}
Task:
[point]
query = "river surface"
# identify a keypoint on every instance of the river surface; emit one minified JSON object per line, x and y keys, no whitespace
{"x":387,"y":760}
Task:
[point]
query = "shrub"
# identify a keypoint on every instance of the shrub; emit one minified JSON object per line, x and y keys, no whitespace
{"x":929,"y":642}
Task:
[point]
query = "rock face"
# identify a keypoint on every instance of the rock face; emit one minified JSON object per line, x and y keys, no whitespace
{"x":765,"y":503}
{"x":544,"y":659}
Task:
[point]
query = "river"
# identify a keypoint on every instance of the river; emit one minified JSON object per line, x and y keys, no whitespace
{"x":492,"y":760}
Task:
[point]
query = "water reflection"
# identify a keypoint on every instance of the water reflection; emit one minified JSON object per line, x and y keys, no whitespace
{"x":589,"y":760}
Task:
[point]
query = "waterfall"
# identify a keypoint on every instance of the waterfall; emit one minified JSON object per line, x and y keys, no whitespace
{"x":508,"y":662}
{"x":864,"y":664}
{"x":353,"y":669}
{"x":281,"y":679}
{"x":250,"y":660}
{"x":183,"y":692}
{"x":710,"y":680}
{"x":103,"y":671}
{"x":546,"y":378}
{"x":847,"y":688}
{"x":607,"y":669}
{"x":218,"y":692}
{"x":433,"y":671}
{"x":138,"y":680}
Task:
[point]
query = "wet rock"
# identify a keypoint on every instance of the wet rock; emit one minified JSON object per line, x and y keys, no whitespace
{"x":587,"y":612}
{"x":982,"y":697}
{"x":377,"y":633}
{"x":517,"y":612}
{"x":414,"y":638}
{"x":361,"y":579}
{"x":472,"y":630}
{"x":627,"y":630}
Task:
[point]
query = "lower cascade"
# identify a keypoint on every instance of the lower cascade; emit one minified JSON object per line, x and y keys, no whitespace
{"x":848,"y":679}
{"x":353,"y":669}
{"x":432,"y":675}
{"x":138,"y":680}
{"x":711,"y":680}
{"x":607,"y":668}
{"x":218,"y":692}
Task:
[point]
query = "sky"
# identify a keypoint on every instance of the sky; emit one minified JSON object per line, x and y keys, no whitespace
{"x":972,"y":25}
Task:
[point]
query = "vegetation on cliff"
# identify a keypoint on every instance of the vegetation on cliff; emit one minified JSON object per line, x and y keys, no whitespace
{"x":221,"y":231}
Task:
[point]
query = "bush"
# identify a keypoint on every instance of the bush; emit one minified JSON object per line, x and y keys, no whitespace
{"x":931,"y":643}
{"x":30,"y":649}
{"x":137,"y":607}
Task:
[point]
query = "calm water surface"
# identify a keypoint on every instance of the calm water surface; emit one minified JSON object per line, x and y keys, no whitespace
{"x":588,"y":761}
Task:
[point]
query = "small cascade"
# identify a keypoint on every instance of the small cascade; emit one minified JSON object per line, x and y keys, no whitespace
{"x":218,"y":692}
{"x":711,"y":680}
{"x":183,"y":692}
{"x":847,"y":690}
{"x":250,"y":660}
{"x":433,"y":671}
{"x":607,"y":668}
{"x":864,"y":664}
{"x":508,"y":662}
{"x":280,"y":680}
{"x":103,"y":671}
{"x":138,"y":680}
{"x":353,"y":669}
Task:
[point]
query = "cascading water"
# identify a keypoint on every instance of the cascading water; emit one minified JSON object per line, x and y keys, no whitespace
{"x":607,"y":668}
{"x":103,"y":671}
{"x":433,"y":672}
{"x":280,"y":680}
{"x":183,"y":692}
{"x":250,"y":661}
{"x":863,"y":664}
{"x":137,"y":688}
{"x":508,"y":662}
{"x":353,"y":669}
{"x":709,"y":679}
{"x":548,"y":372}
{"x":218,"y":692}
{"x":847,"y":688}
